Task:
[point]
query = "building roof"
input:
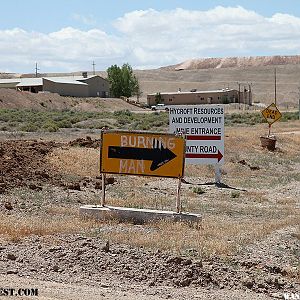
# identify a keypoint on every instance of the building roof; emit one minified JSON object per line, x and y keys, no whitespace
{"x":30,"y":82}
{"x":196,"y":92}
{"x":14,"y":80}
{"x":33,"y":81}
{"x":66,"y":80}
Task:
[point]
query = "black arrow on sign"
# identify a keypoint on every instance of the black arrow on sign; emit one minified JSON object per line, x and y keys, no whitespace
{"x":159,"y":156}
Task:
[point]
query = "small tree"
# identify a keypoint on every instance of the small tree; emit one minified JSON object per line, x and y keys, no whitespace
{"x":225,"y":99}
{"x":138,"y":93}
{"x":158,"y":98}
{"x":115,"y":80}
{"x":122,"y":81}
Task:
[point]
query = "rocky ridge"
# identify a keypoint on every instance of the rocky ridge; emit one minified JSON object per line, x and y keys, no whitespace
{"x":234,"y":62}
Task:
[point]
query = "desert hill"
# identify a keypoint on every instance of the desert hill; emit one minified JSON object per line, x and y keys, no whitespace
{"x":235,"y":62}
{"x":218,"y":73}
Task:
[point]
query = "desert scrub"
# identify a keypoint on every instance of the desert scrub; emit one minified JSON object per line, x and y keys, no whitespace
{"x":198,"y":190}
{"x":243,"y":118}
{"x":124,"y":117}
{"x":252,"y":118}
{"x":286,"y":116}
{"x":156,"y":120}
{"x":132,"y":121}
{"x":235,"y":194}
{"x":31,"y":120}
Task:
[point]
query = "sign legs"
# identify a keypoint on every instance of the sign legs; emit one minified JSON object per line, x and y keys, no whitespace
{"x":103,"y":190}
{"x":217,"y":174}
{"x":178,"y":202}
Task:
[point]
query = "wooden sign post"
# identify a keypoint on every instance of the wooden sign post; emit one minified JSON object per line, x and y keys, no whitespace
{"x":144,"y":154}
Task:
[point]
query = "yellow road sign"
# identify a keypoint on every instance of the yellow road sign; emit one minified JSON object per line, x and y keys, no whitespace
{"x":271,"y":114}
{"x":142,"y":153}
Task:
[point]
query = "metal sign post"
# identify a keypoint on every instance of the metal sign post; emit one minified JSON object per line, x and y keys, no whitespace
{"x":217,"y":174}
{"x":103,"y":189}
{"x":178,"y":201}
{"x":299,"y":109}
{"x":142,"y":153}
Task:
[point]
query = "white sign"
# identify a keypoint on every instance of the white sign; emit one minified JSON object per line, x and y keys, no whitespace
{"x":203,"y":127}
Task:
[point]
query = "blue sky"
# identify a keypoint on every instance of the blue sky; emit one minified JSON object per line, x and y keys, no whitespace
{"x":67,"y":35}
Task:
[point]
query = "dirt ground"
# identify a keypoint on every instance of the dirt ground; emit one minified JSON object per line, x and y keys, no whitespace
{"x":11,"y":99}
{"x":246,"y":248}
{"x":49,"y":290}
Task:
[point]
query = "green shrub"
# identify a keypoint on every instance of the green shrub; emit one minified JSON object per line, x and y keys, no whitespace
{"x":64,"y":124}
{"x":198,"y":190}
{"x":235,"y":194}
{"x":29,"y":127}
{"x":4,"y":128}
{"x":286,"y":116}
{"x":50,"y":126}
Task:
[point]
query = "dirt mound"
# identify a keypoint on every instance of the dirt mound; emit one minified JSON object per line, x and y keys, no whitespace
{"x":22,"y":163}
{"x":87,"y":142}
{"x":234,"y":62}
{"x":43,"y":101}
{"x":11,"y":99}
{"x":95,"y":259}
{"x":26,"y":163}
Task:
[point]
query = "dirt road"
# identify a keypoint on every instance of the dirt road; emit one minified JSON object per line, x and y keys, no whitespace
{"x":49,"y":290}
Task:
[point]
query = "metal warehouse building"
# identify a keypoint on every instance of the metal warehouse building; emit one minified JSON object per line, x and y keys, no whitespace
{"x":201,"y":97}
{"x":76,"y":86}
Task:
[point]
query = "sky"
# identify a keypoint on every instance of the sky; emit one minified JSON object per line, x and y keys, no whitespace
{"x":68,"y":35}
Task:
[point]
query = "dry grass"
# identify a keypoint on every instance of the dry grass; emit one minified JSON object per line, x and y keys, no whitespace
{"x":16,"y":228}
{"x":76,"y":161}
{"x":218,"y":235}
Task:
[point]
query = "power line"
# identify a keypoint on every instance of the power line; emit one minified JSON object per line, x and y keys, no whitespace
{"x":36,"y":69}
{"x":93,"y":64}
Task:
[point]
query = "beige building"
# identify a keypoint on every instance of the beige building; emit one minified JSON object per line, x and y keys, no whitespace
{"x":201,"y":97}
{"x":76,"y":86}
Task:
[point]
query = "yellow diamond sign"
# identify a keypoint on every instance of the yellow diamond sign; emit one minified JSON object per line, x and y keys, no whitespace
{"x":271,"y":113}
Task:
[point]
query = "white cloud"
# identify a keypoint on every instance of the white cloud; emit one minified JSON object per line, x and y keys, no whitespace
{"x":151,"y":38}
{"x":87,"y":20}
{"x":68,"y":49}
{"x":172,"y":36}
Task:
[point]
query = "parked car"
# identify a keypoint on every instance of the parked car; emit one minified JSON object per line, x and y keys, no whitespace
{"x":160,"y":106}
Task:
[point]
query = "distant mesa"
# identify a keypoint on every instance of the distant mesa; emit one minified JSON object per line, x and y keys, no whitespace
{"x":234,"y":62}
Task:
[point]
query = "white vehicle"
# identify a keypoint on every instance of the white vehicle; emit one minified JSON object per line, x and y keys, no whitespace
{"x":160,"y":106}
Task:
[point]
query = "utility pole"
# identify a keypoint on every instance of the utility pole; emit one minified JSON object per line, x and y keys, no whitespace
{"x":239,"y":94}
{"x":244,"y":96}
{"x":36,"y":69}
{"x":299,"y":109}
{"x":250,"y":93}
{"x":299,"y":101}
{"x":275,"y":91}
{"x":93,"y":64}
